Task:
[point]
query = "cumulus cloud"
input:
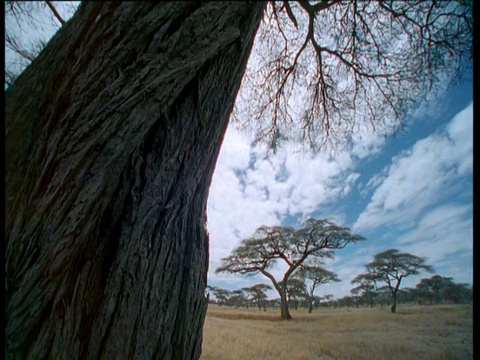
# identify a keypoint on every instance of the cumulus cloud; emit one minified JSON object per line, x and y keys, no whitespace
{"x":250,"y":189}
{"x":415,"y":198}
{"x":421,"y":176}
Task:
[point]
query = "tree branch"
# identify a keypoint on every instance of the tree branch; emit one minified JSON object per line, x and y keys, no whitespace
{"x":55,"y":12}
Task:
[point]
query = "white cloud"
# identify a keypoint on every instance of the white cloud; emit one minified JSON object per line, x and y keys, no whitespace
{"x":250,"y":189}
{"x":366,"y":142}
{"x":460,"y":132}
{"x":421,"y":176}
{"x":373,"y":183}
{"x":443,"y":231}
{"x":423,"y":193}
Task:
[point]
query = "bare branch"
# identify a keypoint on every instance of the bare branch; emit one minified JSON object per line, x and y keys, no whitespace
{"x":55,"y":12}
{"x":350,"y":64}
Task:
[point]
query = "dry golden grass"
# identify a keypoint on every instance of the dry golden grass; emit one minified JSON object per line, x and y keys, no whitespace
{"x":438,"y":332}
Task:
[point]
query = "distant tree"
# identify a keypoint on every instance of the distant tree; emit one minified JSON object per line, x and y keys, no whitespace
{"x":392,"y":266}
{"x":317,"y":276}
{"x":295,"y":291}
{"x":432,"y":289}
{"x":316,"y":239}
{"x":222,"y":296}
{"x":406,"y":295}
{"x":238,"y":299}
{"x":325,"y":300}
{"x":438,"y":289}
{"x":459,"y":293}
{"x":210,"y":289}
{"x":347,"y":301}
{"x":257,"y":295}
{"x":383,"y":296}
{"x":366,"y":288}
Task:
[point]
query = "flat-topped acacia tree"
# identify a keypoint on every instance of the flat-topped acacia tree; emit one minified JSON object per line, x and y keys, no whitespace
{"x":391,"y":267}
{"x":366,"y":288}
{"x":113,"y":131}
{"x":317,"y":275}
{"x":317,"y":238}
{"x":256,"y":294}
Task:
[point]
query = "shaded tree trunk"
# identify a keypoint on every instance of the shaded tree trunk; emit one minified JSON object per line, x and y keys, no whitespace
{"x":394,"y":291}
{"x":393,"y":308}
{"x":112,"y":135}
{"x":285,"y":313}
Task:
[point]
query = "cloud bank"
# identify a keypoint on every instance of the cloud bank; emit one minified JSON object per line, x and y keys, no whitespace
{"x":421,"y":202}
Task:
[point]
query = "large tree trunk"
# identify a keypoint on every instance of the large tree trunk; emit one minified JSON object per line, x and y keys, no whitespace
{"x":112,"y":135}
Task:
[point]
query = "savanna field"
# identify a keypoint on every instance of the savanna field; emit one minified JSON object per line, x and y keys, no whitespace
{"x":438,"y":332}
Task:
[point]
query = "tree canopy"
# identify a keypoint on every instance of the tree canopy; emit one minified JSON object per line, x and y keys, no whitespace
{"x":366,"y":287}
{"x":440,"y":288}
{"x":330,"y":69}
{"x":317,"y":275}
{"x":391,"y":266}
{"x":256,"y":294}
{"x":317,"y":238}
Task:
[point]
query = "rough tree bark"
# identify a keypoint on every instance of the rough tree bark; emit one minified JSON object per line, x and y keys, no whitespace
{"x":112,"y":135}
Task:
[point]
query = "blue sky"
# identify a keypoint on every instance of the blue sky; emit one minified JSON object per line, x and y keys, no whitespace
{"x":411,"y":191}
{"x":41,"y":27}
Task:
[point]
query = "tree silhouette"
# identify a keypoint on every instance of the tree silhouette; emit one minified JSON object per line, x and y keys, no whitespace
{"x":328,"y":69}
{"x":317,"y":276}
{"x":392,"y":266}
{"x":366,"y":288}
{"x":256,"y":294}
{"x":315,"y":239}
{"x":295,"y":287}
{"x":221,"y":295}
{"x":439,"y":288}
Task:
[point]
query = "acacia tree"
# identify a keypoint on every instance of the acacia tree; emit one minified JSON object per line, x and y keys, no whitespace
{"x":294,"y":289}
{"x":366,"y":287}
{"x":383,"y":296}
{"x":112,"y":133}
{"x":336,"y":67}
{"x":317,"y":276}
{"x":238,"y":299}
{"x":392,"y":266}
{"x":317,"y":238}
{"x":439,"y":288}
{"x":221,"y":295}
{"x":256,"y":294}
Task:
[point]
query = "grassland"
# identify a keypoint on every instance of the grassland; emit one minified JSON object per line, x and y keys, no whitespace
{"x":415,"y":332}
